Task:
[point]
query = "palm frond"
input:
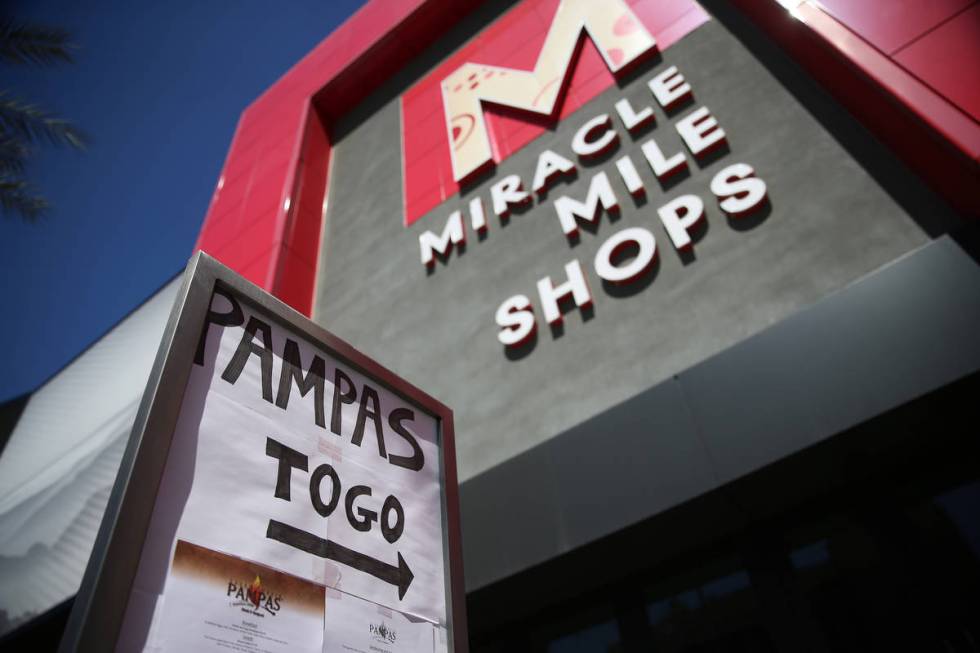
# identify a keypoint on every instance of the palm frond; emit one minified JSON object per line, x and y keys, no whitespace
{"x":23,"y":43}
{"x":13,"y":155}
{"x":24,"y":125}
{"x":16,"y":196}
{"x":32,"y":123}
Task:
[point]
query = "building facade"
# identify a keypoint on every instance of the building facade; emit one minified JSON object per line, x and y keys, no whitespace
{"x":699,"y":281}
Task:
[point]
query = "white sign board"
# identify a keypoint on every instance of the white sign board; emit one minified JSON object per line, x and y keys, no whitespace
{"x":301,"y":506}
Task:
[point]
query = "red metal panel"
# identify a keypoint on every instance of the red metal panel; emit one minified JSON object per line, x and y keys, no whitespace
{"x":660,"y":15}
{"x":248,"y":242}
{"x":890,"y":24}
{"x":296,"y":280}
{"x":935,"y":138}
{"x":948,"y":60}
{"x":257,"y":270}
{"x":687,"y":23}
{"x":297,"y":264}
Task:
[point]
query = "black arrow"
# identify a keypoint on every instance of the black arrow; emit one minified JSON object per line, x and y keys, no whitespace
{"x":400,"y":576}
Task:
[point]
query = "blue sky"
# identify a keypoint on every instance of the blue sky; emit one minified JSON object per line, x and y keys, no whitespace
{"x":159,"y":88}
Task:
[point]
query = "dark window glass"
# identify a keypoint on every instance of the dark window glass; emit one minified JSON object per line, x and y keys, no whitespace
{"x":869,"y":541}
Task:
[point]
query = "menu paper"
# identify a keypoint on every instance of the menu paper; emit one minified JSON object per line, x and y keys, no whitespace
{"x":217,"y":602}
{"x":353,"y":625}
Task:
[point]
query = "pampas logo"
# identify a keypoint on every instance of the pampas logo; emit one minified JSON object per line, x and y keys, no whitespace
{"x":383,"y":633}
{"x":252,"y":598}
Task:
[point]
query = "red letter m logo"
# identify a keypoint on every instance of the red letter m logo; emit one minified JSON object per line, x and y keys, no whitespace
{"x":617,"y":33}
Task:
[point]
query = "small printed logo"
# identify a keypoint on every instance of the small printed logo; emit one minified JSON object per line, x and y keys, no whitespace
{"x":383,"y":633}
{"x":252,"y":598}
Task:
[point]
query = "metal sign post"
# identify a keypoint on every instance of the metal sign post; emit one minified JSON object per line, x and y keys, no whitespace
{"x":265,"y":446}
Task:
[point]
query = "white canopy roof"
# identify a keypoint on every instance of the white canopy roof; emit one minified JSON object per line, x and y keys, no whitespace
{"x":60,"y":462}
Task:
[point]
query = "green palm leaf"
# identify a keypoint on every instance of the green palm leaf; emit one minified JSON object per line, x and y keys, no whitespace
{"x":16,"y":196}
{"x":23,"y":125}
{"x":13,"y":155}
{"x":32,"y":123}
{"x":34,"y":44}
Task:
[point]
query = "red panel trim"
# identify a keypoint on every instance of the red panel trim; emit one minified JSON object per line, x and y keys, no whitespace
{"x":931,"y":107}
{"x":890,"y":24}
{"x":932,"y":136}
{"x":947,"y":57}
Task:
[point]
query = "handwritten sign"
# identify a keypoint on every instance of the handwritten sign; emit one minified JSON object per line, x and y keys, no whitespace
{"x":285,"y":492}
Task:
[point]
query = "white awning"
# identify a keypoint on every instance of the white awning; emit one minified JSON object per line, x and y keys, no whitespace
{"x":60,"y":462}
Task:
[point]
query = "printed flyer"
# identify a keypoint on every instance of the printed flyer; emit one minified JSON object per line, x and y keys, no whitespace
{"x":217,"y":602}
{"x":353,"y":625}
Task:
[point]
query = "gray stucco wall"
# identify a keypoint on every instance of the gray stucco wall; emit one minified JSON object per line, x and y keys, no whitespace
{"x":830,"y":223}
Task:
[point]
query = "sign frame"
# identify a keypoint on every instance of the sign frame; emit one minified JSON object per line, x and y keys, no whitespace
{"x":97,"y":615}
